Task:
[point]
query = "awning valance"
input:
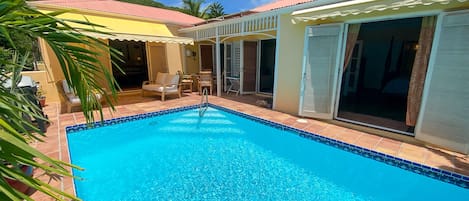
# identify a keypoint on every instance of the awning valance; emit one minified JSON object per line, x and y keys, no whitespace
{"x":356,"y":7}
{"x":143,"y":38}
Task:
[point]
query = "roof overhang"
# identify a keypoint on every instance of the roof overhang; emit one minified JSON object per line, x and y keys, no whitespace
{"x":41,"y":6}
{"x":360,"y":7}
{"x":142,"y":38}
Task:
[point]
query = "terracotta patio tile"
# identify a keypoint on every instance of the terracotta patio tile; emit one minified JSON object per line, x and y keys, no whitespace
{"x":330,"y":132}
{"x":440,"y":160}
{"x":51,"y":139}
{"x":68,"y":182}
{"x":65,"y":123}
{"x":348,"y":136}
{"x":300,"y":125}
{"x":368,"y":141}
{"x":413,"y":153}
{"x":64,"y":117}
{"x":314,"y":127}
{"x":48,"y":148}
{"x":289,"y":121}
{"x":388,"y":146}
{"x":41,"y":196}
{"x":53,"y":180}
{"x":461,"y":165}
{"x":52,"y":128}
{"x":135,"y":105}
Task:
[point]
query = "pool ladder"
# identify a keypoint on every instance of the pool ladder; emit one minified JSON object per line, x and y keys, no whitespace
{"x":203,"y":104}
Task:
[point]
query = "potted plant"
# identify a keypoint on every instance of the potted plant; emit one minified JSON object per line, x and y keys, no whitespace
{"x":40,"y":94}
{"x":18,"y":185}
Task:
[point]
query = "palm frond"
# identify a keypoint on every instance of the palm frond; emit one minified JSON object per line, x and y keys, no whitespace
{"x":78,"y":55}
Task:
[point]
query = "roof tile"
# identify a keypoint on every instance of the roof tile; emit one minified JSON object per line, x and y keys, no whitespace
{"x":117,"y":7}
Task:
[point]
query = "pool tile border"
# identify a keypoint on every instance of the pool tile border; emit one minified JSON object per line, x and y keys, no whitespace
{"x":443,"y":175}
{"x":118,"y":120}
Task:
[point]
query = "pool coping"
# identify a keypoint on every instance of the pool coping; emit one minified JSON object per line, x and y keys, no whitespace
{"x":435,"y":173}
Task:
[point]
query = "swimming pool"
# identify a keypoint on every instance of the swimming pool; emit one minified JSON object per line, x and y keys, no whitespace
{"x":175,"y":155}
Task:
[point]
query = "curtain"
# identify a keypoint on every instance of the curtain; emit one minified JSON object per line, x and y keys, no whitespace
{"x":419,"y":69}
{"x":352,"y":35}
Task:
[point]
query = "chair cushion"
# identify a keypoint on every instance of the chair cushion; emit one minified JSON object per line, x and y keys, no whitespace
{"x":66,"y":88}
{"x":151,"y":87}
{"x":172,"y":79}
{"x":75,"y":100}
{"x":159,"y":88}
{"x":161,"y":78}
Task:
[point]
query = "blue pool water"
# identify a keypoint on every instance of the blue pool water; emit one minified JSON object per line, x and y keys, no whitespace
{"x":222,"y":156}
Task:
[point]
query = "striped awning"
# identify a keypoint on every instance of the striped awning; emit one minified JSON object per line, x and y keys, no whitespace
{"x":143,"y":38}
{"x":357,"y":7}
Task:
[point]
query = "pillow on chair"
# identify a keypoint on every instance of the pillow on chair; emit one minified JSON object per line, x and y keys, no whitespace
{"x":71,"y":95}
{"x":66,"y":88}
{"x":172,"y":79}
{"x":161,"y":78}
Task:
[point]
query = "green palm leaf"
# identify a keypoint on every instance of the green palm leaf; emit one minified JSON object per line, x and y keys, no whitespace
{"x":81,"y":68}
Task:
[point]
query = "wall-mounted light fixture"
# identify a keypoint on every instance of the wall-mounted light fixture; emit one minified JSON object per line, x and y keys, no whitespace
{"x":190,"y":53}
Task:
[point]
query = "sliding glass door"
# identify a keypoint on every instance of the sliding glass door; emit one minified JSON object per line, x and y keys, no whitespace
{"x":267,"y":66}
{"x":379,"y":61}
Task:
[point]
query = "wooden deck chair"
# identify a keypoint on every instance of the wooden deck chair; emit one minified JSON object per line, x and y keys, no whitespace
{"x":205,"y":80}
{"x":68,"y":96}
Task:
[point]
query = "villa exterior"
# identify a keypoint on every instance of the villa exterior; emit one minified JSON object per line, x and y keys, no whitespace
{"x":388,"y":64}
{"x":146,"y":36}
{"x":394,"y":65}
{"x":423,"y":67}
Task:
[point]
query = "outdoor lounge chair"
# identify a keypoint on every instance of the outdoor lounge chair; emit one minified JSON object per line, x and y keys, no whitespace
{"x":165,"y":84}
{"x":70,"y":98}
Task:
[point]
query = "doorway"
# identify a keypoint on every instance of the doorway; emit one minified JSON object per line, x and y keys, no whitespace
{"x":249,"y":66}
{"x":134,"y":64}
{"x":375,"y":82}
{"x":267,"y":67}
{"x":206,"y":58}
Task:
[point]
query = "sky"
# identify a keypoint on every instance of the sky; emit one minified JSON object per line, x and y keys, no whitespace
{"x":231,"y":6}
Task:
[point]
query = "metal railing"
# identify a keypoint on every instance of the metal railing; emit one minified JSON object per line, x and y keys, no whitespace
{"x":203,"y":104}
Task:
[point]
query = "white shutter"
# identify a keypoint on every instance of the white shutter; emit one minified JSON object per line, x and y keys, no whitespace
{"x":320,"y":70}
{"x":236,"y":58}
{"x":444,"y":116}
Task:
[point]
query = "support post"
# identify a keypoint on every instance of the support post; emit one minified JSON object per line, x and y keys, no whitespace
{"x":218,"y":62}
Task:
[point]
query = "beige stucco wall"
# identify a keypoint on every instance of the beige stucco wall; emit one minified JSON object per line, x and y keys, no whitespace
{"x":45,"y":84}
{"x":192,"y":62}
{"x":290,"y":45}
{"x":52,"y":72}
{"x":174,"y":57}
